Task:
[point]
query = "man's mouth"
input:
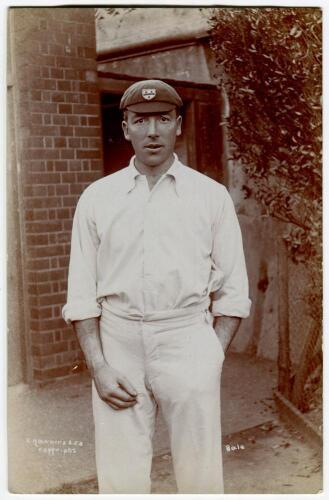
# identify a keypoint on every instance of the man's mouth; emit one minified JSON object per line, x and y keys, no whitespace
{"x":153,"y":146}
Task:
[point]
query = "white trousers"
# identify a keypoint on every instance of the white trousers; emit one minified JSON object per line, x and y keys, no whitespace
{"x":174,"y":364}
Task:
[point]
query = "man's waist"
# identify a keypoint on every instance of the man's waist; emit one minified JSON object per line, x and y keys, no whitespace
{"x":156,"y":315}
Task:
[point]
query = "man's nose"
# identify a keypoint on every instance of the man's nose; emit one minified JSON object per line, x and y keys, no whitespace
{"x":152,"y":127}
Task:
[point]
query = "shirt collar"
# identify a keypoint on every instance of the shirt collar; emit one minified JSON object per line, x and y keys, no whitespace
{"x":175,"y":171}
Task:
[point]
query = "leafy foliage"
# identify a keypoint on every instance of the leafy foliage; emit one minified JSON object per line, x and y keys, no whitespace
{"x":270,"y":65}
{"x":269,"y":62}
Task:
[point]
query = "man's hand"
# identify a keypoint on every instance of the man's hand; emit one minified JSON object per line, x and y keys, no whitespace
{"x":114,"y":388}
{"x":226,"y":328}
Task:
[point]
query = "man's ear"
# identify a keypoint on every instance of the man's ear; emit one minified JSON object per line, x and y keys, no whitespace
{"x":179,"y":125}
{"x":124,"y":125}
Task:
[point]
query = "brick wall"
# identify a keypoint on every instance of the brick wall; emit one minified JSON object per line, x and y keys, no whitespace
{"x":59,"y":153}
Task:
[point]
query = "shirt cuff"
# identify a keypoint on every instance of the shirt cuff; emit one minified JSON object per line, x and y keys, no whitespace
{"x":80,"y":310}
{"x":240,"y":307}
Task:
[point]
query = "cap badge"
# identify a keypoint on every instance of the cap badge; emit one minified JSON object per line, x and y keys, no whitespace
{"x":149,"y":94}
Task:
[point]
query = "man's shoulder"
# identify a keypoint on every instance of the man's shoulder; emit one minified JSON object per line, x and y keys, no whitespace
{"x":107,"y":184}
{"x":202,"y":181}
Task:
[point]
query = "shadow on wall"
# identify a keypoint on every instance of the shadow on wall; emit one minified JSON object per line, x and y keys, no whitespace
{"x":258,"y":334}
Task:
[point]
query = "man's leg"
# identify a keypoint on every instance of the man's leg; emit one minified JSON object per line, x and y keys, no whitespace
{"x":187,"y":387}
{"x":123,"y":438}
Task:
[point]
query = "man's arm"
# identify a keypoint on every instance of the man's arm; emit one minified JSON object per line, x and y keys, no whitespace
{"x":226,"y":328}
{"x":112,"y":386}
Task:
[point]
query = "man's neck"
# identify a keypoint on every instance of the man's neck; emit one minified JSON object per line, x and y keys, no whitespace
{"x":154,"y":172}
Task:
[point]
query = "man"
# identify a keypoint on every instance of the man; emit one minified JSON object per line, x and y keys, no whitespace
{"x":150,"y":244}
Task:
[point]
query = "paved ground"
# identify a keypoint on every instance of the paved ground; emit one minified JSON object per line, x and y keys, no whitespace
{"x":50,"y":438}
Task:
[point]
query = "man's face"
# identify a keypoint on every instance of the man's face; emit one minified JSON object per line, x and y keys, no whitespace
{"x":152,"y":136}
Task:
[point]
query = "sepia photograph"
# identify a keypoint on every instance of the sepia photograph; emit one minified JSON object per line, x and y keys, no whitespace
{"x":164,"y":249}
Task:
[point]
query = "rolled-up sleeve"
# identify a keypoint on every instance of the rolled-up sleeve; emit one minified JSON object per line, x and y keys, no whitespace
{"x":82,"y":280}
{"x":232,"y":298}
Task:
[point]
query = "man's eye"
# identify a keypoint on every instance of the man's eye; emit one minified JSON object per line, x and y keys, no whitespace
{"x":164,"y":118}
{"x":140,"y":120}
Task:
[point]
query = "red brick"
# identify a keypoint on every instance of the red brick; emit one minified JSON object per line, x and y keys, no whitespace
{"x":51,"y":190}
{"x":36,"y":165}
{"x":59,"y":119}
{"x":72,"y":62}
{"x":53,"y":298}
{"x":35,"y":95}
{"x":48,"y":143}
{"x":73,"y":74}
{"x":67,"y":154}
{"x":61,"y":38}
{"x":51,"y":324}
{"x":64,"y":85}
{"x":58,"y":336}
{"x":62,"y":189}
{"x":45,"y":178}
{"x":36,"y":214}
{"x":34,"y":190}
{"x":69,"y":357}
{"x":52,"y":239}
{"x":42,"y":338}
{"x":74,"y":142}
{"x":44,"y":72}
{"x":56,"y":347}
{"x":43,"y":227}
{"x":95,"y":143}
{"x":46,"y":95}
{"x":50,"y":165}
{"x":63,"y":237}
{"x":74,"y":344}
{"x":37,"y":239}
{"x":47,"y":119}
{"x":57,"y":311}
{"x":58,"y":97}
{"x":85,"y":153}
{"x":41,"y":313}
{"x":60,"y":142}
{"x":43,"y":153}
{"x":37,"y":264}
{"x":42,"y":203}
{"x":64,"y":261}
{"x":86,"y":131}
{"x":44,"y":130}
{"x":93,"y":99}
{"x":36,"y":118}
{"x":63,"y":213}
{"x":56,"y":50}
{"x":43,"y":288}
{"x":46,"y":251}
{"x":67,"y":225}
{"x":94,"y":121}
{"x":86,"y":109}
{"x":97,"y":165}
{"x":73,"y":120}
{"x":44,"y":375}
{"x":45,"y":361}
{"x":56,"y":73}
{"x":71,"y":97}
{"x":68,"y":177}
{"x":70,"y":201}
{"x":66,"y":130}
{"x":31,"y":289}
{"x":65,"y":108}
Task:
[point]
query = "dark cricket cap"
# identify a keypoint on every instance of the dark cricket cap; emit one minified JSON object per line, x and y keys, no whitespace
{"x":150,"y":96}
